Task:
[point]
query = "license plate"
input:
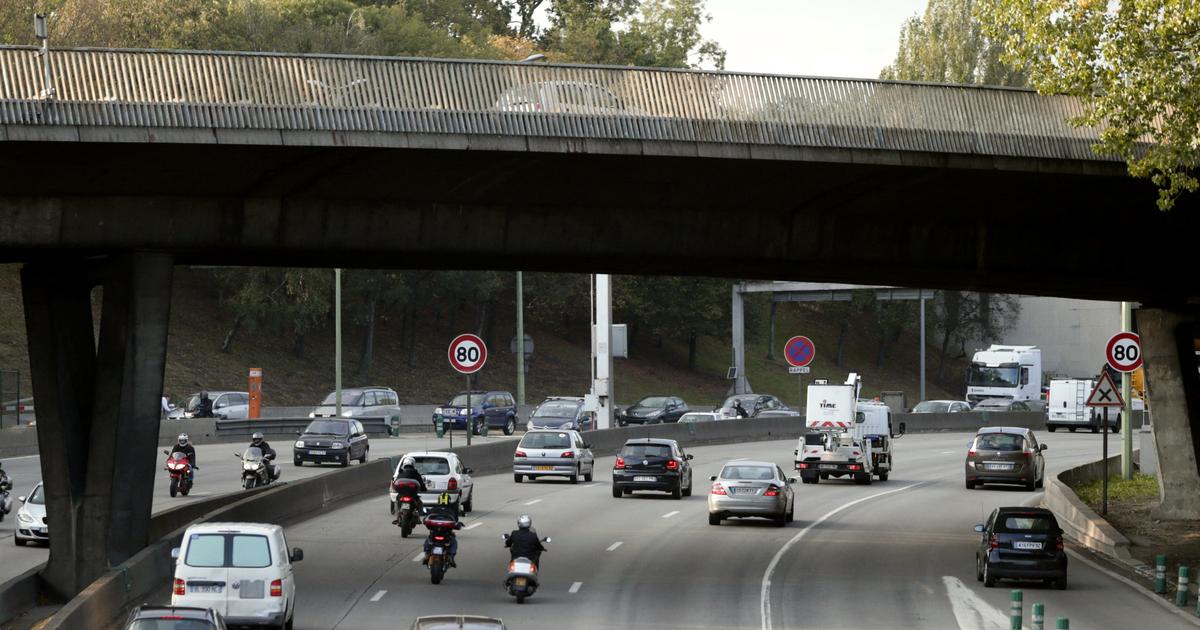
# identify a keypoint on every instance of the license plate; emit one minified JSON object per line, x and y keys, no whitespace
{"x":745,"y":490}
{"x":997,"y":466}
{"x":437,"y":551}
{"x":833,"y":466}
{"x":204,"y":589}
{"x":519,"y":581}
{"x":316,"y":452}
{"x":1020,"y":544}
{"x":543,"y":468}
{"x":650,"y":479}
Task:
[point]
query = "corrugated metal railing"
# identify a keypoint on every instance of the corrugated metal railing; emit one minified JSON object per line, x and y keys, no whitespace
{"x":142,"y":88}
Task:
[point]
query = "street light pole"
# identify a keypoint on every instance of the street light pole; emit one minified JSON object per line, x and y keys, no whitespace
{"x":337,"y":340}
{"x":520,"y":339}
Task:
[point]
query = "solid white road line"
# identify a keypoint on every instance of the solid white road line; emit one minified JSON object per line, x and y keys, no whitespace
{"x":474,"y":525}
{"x":670,"y":514}
{"x":575,"y":587}
{"x":765,"y":596}
{"x":970,"y":611}
{"x":613,"y":547}
{"x":378,"y":596}
{"x":533,"y":501}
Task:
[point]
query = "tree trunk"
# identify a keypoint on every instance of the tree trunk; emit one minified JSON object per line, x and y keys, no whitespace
{"x":490,"y":330}
{"x":227,"y":345}
{"x":985,"y":318}
{"x":692,"y":349}
{"x":298,"y":345}
{"x":368,"y":350}
{"x":412,"y":334}
{"x":771,"y":333}
{"x":843,"y":330}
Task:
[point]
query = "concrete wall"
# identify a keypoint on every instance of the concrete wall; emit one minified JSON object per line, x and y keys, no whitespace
{"x":1078,"y":521}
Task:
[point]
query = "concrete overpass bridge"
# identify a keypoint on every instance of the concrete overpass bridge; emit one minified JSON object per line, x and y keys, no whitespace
{"x":124,"y":163}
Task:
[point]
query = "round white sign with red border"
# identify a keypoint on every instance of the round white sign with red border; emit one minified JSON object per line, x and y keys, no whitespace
{"x":1124,"y":352}
{"x":467,"y":353}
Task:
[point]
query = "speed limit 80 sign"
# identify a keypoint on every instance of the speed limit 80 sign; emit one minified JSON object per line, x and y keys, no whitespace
{"x":1124,"y":352}
{"x":467,"y":353}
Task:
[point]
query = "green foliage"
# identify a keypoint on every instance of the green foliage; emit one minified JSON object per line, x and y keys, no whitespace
{"x":1133,"y":64}
{"x":1141,"y":487}
{"x":661,"y":33}
{"x":947,"y":45}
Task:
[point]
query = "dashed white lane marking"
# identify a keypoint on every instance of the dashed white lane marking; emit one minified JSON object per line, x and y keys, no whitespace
{"x":670,"y":514}
{"x":613,"y":547}
{"x":419,"y":557}
{"x":533,"y":501}
{"x":378,"y":596}
{"x":970,"y":611}
{"x":474,"y":525}
{"x":948,"y":452}
{"x":575,"y":587}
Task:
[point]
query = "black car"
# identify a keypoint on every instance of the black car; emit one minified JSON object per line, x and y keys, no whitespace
{"x":331,"y":440}
{"x":653,"y":410}
{"x":562,"y":412}
{"x":146,"y":617}
{"x":1023,"y":544}
{"x":652,"y":464}
{"x":497,"y":409}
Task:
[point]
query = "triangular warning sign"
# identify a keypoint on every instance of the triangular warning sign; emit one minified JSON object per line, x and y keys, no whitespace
{"x":1105,"y":394}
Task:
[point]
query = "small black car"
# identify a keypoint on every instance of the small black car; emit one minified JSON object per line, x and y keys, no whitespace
{"x":146,"y":617}
{"x":652,"y":464}
{"x":1023,"y":544}
{"x":330,"y":440}
{"x":653,"y":410}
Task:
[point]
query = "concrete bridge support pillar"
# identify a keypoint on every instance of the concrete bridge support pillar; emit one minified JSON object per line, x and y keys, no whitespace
{"x":1174,"y":394}
{"x":98,"y":405}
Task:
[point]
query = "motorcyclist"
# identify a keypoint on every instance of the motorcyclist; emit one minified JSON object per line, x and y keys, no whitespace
{"x":5,"y":487}
{"x":257,"y":441}
{"x":184,"y":445}
{"x":739,"y":410}
{"x":449,"y":513}
{"x":204,"y":408}
{"x":523,"y":542}
{"x":408,"y":470}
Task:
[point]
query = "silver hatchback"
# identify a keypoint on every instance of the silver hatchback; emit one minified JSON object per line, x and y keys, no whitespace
{"x":751,"y":488}
{"x":553,"y":454}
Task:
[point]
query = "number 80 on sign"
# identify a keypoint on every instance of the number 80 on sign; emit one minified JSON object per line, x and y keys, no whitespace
{"x":1124,"y":352}
{"x":467,"y":353}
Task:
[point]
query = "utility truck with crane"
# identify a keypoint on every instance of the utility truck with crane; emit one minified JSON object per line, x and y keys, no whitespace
{"x":846,"y":436}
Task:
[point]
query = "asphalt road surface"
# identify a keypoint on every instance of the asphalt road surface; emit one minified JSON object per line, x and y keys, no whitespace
{"x":896,"y":554}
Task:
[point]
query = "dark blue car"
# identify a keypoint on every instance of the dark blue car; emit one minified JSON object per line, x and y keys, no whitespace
{"x":498,"y":409}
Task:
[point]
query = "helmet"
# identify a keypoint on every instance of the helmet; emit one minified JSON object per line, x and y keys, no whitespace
{"x":524,"y":522}
{"x":257,"y":437}
{"x":408,"y":462}
{"x":183,"y":439}
{"x":203,"y":395}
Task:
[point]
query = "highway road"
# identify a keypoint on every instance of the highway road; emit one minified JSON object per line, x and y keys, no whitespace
{"x":896,"y":554}
{"x":220,"y":473}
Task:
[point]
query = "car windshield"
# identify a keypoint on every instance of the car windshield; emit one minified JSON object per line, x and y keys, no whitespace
{"x":556,"y":410}
{"x":546,"y":440}
{"x":747,"y":401}
{"x":432,"y":465}
{"x":646,"y":450}
{"x":348,"y":398}
{"x":461,"y":399}
{"x":252,"y":454}
{"x":999,"y":442}
{"x":38,"y":497}
{"x":932,"y":406}
{"x":328,"y":427}
{"x":652,"y":401}
{"x":1027,"y":523}
{"x":759,"y":473}
{"x":171,"y":622}
{"x":983,"y":376}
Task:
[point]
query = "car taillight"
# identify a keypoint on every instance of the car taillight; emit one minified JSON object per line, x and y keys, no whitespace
{"x":620,"y":465}
{"x":718,"y":489}
{"x":672,"y":464}
{"x":512,"y":567}
{"x":1058,"y":542}
{"x":519,"y":454}
{"x":406,"y":499}
{"x":180,"y":587}
{"x":854,"y":467}
{"x":276,"y":588}
{"x":567,"y":454}
{"x":773,"y":491}
{"x":993,"y":542}
{"x":452,"y":484}
{"x":971,"y":453}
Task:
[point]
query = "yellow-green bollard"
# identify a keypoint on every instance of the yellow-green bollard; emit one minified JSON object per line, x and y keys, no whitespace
{"x":1181,"y":592}
{"x":1016,"y":614}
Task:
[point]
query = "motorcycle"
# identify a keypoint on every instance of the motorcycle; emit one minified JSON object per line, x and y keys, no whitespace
{"x":255,"y":472}
{"x":406,"y":505}
{"x":5,"y":498}
{"x":180,"y":469}
{"x":522,"y":578}
{"x":437,"y":546}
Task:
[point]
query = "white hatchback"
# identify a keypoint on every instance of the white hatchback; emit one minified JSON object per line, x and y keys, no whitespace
{"x":444,"y":473}
{"x":241,"y":570}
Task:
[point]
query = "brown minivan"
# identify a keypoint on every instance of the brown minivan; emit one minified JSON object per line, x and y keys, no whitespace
{"x":1009,"y":455}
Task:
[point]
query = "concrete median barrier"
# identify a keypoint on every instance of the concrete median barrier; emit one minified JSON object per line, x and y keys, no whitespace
{"x":1078,"y":521}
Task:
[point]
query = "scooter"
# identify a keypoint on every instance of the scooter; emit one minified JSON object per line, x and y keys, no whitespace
{"x":254,"y":468}
{"x":180,"y":469}
{"x":522,"y":578}
{"x":406,"y":505}
{"x":437,"y":546}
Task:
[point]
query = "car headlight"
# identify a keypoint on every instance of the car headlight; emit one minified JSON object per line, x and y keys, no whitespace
{"x":337,"y":445}
{"x":24,"y":518}
{"x":462,"y":412}
{"x":299,"y":443}
{"x":438,"y":411}
{"x":312,"y":414}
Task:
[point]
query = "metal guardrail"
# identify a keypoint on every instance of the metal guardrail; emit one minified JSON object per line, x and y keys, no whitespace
{"x":266,"y":91}
{"x":375,"y":427}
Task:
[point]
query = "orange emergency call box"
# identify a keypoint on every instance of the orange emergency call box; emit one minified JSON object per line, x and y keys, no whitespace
{"x":255,"y":392}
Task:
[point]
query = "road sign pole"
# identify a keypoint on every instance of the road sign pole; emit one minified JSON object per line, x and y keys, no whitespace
{"x":471,"y":412}
{"x":801,"y":377}
{"x":1104,"y":430}
{"x":1127,"y":413}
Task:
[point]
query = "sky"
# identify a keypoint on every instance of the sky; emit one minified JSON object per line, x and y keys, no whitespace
{"x":829,"y":38}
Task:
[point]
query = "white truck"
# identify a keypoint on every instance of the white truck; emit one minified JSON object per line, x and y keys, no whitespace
{"x":1010,"y":372}
{"x":846,"y":437}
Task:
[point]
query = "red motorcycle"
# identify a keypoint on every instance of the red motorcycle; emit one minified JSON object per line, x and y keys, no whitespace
{"x":180,"y":469}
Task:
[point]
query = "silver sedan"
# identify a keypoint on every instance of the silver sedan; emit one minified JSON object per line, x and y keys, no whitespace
{"x":751,"y":488}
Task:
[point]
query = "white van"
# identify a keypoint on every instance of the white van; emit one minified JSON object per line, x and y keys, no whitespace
{"x":241,"y":570}
{"x":1066,"y":406}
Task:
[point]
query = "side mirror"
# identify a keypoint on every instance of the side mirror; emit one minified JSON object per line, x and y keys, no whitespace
{"x":21,"y":499}
{"x":979,"y":529}
{"x":903,"y":426}
{"x":712,"y":478}
{"x":587,"y":445}
{"x":546,"y":539}
{"x":791,"y":480}
{"x":299,"y":433}
{"x":1043,"y":447}
{"x":469,"y":470}
{"x":175,"y":553}
{"x":297,"y":555}
{"x":166,"y":452}
{"x":690,"y":456}
{"x":503,"y":536}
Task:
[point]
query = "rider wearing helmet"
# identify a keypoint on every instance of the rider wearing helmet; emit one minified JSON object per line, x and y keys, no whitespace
{"x":523,"y":542}
{"x":184,"y":445}
{"x":408,"y":470}
{"x":257,"y":441}
{"x":204,"y":408}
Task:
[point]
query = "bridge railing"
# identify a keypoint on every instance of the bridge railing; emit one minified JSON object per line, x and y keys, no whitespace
{"x":153,"y":88}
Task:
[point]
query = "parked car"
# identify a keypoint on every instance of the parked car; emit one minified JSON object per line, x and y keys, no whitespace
{"x":498,"y":409}
{"x":227,"y":405}
{"x":1021,"y":543}
{"x":31,"y":518}
{"x":331,"y":440}
{"x":147,"y":617}
{"x":562,"y":412}
{"x":653,"y":410}
{"x":700,"y":416}
{"x":748,"y":488}
{"x":652,"y":464}
{"x":562,"y":97}
{"x":360,"y":402}
{"x":444,"y":473}
{"x":1002,"y":405}
{"x":1009,"y":455}
{"x":553,"y":454}
{"x":753,"y":404}
{"x":241,"y":570}
{"x":942,"y":406}
{"x":457,"y":622}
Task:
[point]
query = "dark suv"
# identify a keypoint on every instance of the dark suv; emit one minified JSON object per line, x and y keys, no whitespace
{"x":652,"y":464}
{"x":653,"y":410}
{"x":146,"y":617}
{"x":1021,"y":543}
{"x":332,"y":440}
{"x":498,"y":409}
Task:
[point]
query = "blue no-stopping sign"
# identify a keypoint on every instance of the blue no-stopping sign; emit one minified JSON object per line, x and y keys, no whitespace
{"x":799,"y":351}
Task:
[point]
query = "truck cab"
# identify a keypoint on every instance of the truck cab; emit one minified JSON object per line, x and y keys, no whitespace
{"x":1010,"y":372}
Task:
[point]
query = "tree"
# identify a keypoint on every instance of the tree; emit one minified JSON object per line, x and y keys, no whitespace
{"x":947,"y":45}
{"x":659,"y":33}
{"x":1132,"y":64}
